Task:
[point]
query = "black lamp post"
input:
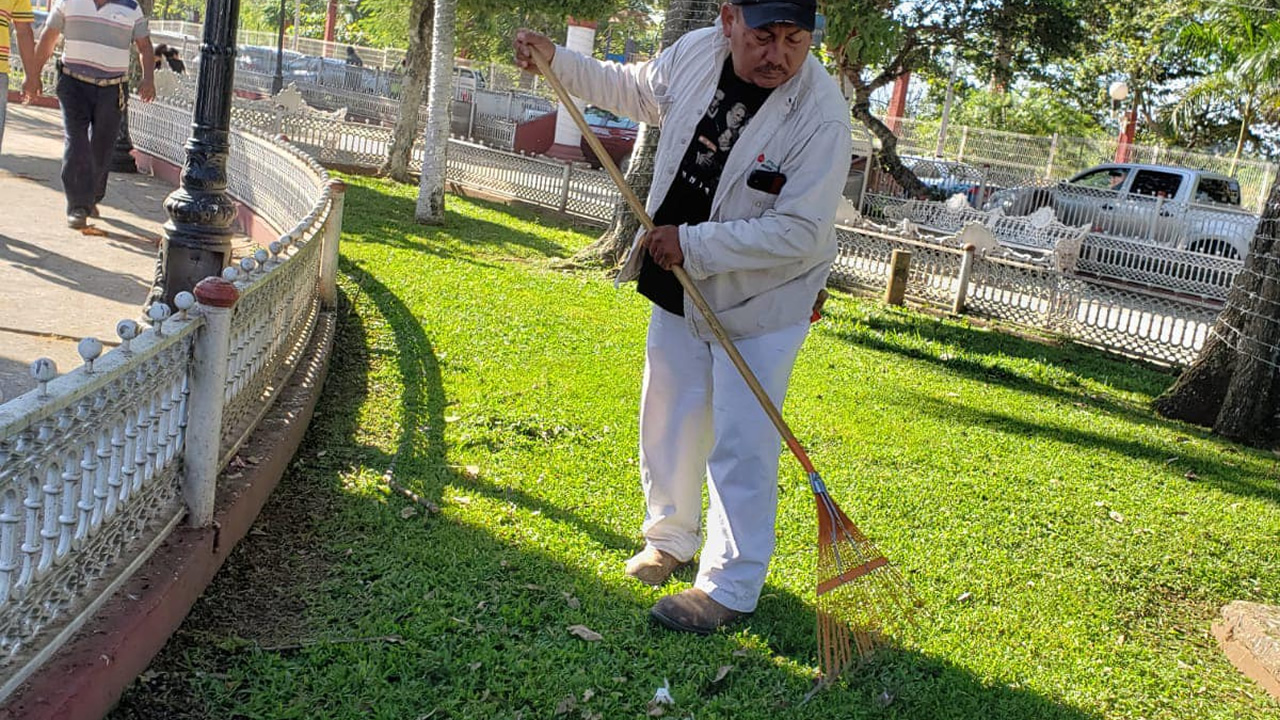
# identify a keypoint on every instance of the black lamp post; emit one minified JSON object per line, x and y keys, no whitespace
{"x":277,"y":83}
{"x":197,"y":237}
{"x":121,"y":155}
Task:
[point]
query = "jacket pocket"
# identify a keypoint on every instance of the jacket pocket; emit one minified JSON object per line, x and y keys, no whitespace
{"x":759,"y":200}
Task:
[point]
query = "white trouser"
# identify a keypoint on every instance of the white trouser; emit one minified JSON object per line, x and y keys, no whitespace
{"x":697,"y":416}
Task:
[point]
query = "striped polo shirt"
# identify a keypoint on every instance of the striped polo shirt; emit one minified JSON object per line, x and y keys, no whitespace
{"x":11,"y":11}
{"x":98,"y":38}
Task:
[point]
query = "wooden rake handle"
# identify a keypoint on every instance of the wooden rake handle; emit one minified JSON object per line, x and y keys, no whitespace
{"x":695,"y":295}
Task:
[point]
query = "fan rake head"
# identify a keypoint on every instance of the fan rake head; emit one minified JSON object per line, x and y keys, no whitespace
{"x":859,"y":592}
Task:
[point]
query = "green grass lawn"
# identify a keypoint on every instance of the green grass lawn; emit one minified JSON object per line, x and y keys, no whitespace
{"x":1070,"y":548}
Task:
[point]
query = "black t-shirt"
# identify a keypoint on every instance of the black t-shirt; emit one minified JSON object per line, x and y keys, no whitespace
{"x":689,"y":199}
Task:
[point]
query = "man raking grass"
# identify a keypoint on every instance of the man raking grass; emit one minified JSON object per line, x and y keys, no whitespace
{"x":749,"y":169}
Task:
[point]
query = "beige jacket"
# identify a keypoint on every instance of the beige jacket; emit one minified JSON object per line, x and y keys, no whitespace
{"x":761,"y":258}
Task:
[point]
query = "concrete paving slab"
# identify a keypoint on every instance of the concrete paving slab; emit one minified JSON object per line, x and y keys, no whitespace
{"x":58,"y":285}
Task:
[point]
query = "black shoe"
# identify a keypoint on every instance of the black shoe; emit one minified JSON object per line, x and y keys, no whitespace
{"x":93,"y":211}
{"x":78,"y":218}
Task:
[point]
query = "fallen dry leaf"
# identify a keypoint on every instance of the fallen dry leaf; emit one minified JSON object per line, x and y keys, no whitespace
{"x":571,"y":601}
{"x":462,"y":499}
{"x":722,"y":672}
{"x":964,"y":597}
{"x":474,"y":666}
{"x":656,"y":710}
{"x":408,"y":512}
{"x":1191,"y":475}
{"x":95,"y":232}
{"x":568,"y":703}
{"x":585,"y":633}
{"x":741,"y":652}
{"x":1116,"y":516}
{"x":588,"y":694}
{"x":473,"y":471}
{"x":452,"y":418}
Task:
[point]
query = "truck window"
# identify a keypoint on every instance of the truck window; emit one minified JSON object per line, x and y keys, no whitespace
{"x":1156,"y":184}
{"x":1218,"y":190}
{"x":1101,"y":179}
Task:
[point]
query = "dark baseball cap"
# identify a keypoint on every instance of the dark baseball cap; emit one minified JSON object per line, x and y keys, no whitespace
{"x":758,"y":13}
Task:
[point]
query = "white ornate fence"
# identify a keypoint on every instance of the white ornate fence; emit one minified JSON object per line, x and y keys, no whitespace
{"x":1140,"y":263}
{"x":1109,"y":316}
{"x":96,"y":465}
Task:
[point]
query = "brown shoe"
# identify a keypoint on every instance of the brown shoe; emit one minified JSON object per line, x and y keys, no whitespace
{"x":652,"y":566}
{"x":693,"y":611}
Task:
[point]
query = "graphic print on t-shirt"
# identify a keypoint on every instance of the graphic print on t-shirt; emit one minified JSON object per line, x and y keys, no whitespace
{"x":732,"y":106}
{"x":688,"y":201}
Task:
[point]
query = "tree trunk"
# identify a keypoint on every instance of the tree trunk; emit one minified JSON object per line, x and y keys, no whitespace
{"x":417,"y":72}
{"x":1233,"y":385}
{"x":610,"y":248}
{"x":1002,"y":69}
{"x":435,"y":142}
{"x":1245,"y":120}
{"x":888,"y":153}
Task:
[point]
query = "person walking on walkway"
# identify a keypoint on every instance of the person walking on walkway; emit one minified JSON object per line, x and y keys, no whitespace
{"x":92,"y":82}
{"x":750,"y":167}
{"x":17,"y":14}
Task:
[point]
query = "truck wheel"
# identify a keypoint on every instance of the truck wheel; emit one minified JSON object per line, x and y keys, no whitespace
{"x":1217,"y":248}
{"x":1031,"y":201}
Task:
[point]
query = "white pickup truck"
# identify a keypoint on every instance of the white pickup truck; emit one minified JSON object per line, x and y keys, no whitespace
{"x":1171,"y":206}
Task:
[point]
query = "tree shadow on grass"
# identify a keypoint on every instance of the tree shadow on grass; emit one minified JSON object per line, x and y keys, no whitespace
{"x":390,"y":221}
{"x":895,"y":682}
{"x":1205,"y":468}
{"x":989,"y":346}
{"x":421,"y":441}
{"x":1123,"y":374}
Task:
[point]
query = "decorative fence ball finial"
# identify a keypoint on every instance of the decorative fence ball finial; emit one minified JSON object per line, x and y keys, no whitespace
{"x":44,"y":370}
{"x":127,"y":330}
{"x":90,"y":349}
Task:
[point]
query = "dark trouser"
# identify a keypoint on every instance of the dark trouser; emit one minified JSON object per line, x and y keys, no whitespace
{"x":90,"y":124}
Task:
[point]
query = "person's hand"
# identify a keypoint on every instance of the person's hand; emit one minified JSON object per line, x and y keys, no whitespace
{"x":147,"y":90}
{"x":32,"y":87}
{"x":526,"y":42}
{"x":663,"y":243}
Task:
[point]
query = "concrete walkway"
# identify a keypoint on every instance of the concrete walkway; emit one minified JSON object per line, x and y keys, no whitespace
{"x":58,"y":285}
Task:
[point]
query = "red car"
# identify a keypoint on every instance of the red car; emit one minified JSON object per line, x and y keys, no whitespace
{"x":616,"y":134}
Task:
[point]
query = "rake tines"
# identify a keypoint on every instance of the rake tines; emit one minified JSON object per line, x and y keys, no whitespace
{"x":859,"y":592}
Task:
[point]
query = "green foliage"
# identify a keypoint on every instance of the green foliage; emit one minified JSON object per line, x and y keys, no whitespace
{"x":862,"y":33}
{"x":1235,"y":53}
{"x":1069,"y":547}
{"x":1029,"y":109}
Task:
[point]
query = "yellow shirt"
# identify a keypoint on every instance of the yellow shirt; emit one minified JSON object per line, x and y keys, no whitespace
{"x":11,"y":11}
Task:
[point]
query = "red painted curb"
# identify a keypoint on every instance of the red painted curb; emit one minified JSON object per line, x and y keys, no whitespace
{"x":86,"y":678}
